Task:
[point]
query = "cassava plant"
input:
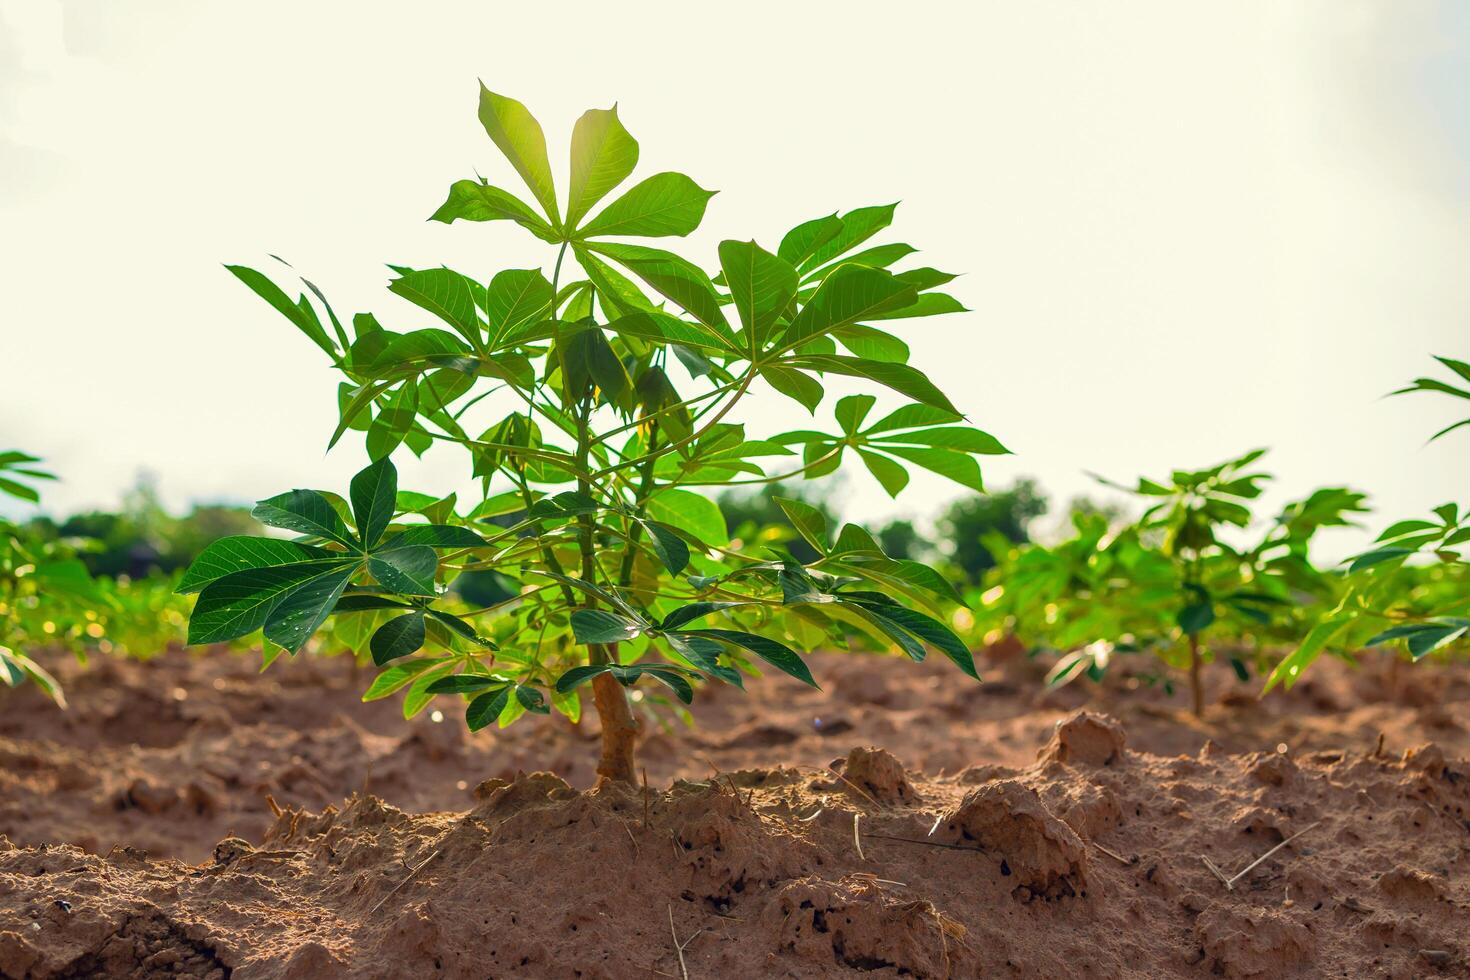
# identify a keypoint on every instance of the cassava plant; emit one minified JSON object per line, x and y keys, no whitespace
{"x":1412,"y":587}
{"x":596,"y":408}
{"x":1170,"y":581}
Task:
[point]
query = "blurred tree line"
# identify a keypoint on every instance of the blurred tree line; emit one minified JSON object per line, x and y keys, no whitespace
{"x":142,"y":538}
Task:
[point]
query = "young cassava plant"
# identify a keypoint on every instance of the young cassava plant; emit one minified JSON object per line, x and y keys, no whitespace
{"x":596,"y":409}
{"x":1412,"y":587}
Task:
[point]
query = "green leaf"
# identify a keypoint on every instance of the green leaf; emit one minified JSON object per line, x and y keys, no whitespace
{"x":850,"y":294}
{"x":926,"y":304}
{"x":304,"y":320}
{"x":796,"y":385}
{"x":661,"y":205}
{"x":399,"y":676}
{"x":407,"y":571}
{"x":603,"y":155}
{"x":475,"y":200}
{"x":808,"y":521}
{"x":600,"y":626}
{"x":374,"y":494}
{"x":878,"y":257}
{"x":578,"y":676}
{"x":695,"y":610}
{"x":776,"y":654}
{"x":516,"y":300}
{"x":239,"y":552}
{"x":1378,"y":556}
{"x":241,"y":602}
{"x":691,"y":512}
{"x":1428,"y":640}
{"x":929,"y":630}
{"x":957,"y":466}
{"x":851,"y":411}
{"x":890,"y":475}
{"x":398,"y":637}
{"x":19,"y":490}
{"x":872,"y":343}
{"x":532,"y":699}
{"x":444,"y":293}
{"x":1290,"y":669}
{"x":417,"y":697}
{"x":801,"y":241}
{"x":393,"y":424}
{"x":858,"y":226}
{"x":486,"y":708}
{"x":512,"y":127}
{"x":911,"y":416}
{"x":669,"y":547}
{"x":671,"y":679}
{"x":673,"y":277}
{"x":761,"y":285}
{"x":961,"y":438}
{"x":434,"y":536}
{"x":1196,"y":617}
{"x":465,"y":684}
{"x":899,"y":377}
{"x":305,"y":511}
{"x":301,"y":612}
{"x":460,"y":628}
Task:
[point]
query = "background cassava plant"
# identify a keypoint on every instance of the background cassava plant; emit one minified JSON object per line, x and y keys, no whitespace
{"x":1411,"y":590}
{"x":595,"y":408}
{"x":1188,"y":581}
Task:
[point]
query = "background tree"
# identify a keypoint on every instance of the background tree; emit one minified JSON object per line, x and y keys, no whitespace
{"x":965,"y":524}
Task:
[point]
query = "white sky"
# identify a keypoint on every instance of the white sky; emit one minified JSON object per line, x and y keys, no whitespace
{"x":1186,"y":229}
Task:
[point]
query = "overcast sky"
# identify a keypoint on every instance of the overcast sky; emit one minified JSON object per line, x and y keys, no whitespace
{"x":1186,"y":230}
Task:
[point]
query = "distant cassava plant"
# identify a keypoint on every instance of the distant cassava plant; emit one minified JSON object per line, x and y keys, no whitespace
{"x":595,"y":407}
{"x":1184,"y":581}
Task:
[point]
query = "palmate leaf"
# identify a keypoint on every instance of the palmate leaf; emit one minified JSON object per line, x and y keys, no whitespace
{"x":289,"y":589}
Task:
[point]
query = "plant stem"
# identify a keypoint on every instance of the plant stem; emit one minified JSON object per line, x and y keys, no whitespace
{"x":1196,"y":693}
{"x":619,"y":727}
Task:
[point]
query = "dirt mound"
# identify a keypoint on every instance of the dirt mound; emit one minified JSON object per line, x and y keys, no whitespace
{"x":177,"y":753}
{"x":776,"y":873}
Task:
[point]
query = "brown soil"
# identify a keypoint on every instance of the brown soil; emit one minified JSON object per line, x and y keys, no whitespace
{"x":995,"y":833}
